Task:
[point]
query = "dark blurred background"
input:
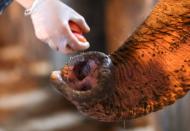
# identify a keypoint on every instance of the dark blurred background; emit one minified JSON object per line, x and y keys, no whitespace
{"x":28,"y":102}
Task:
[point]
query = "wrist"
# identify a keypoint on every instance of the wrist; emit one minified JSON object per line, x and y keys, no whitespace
{"x":35,"y":6}
{"x":25,"y":3}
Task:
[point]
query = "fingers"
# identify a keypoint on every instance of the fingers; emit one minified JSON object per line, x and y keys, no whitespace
{"x":74,"y":42}
{"x":66,"y":47}
{"x":80,"y":21}
{"x":60,"y":44}
{"x":65,"y":41}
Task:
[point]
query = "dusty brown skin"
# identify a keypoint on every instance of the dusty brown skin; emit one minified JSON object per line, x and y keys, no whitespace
{"x":150,"y":71}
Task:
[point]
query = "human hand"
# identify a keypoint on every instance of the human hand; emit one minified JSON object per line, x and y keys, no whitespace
{"x":51,"y":24}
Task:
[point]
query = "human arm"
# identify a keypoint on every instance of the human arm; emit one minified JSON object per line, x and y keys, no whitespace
{"x":51,"y":24}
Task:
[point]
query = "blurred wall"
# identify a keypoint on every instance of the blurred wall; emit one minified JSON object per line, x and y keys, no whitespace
{"x":122,"y":18}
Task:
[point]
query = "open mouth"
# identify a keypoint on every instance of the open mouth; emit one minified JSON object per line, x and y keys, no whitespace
{"x":85,"y":77}
{"x":81,"y":74}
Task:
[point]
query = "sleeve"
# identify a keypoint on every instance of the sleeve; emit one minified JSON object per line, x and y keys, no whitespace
{"x":4,"y":4}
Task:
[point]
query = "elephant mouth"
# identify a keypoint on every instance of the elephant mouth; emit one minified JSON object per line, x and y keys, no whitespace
{"x":81,"y":74}
{"x":86,"y":76}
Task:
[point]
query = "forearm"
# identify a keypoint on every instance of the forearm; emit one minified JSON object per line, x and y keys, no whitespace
{"x":25,"y":3}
